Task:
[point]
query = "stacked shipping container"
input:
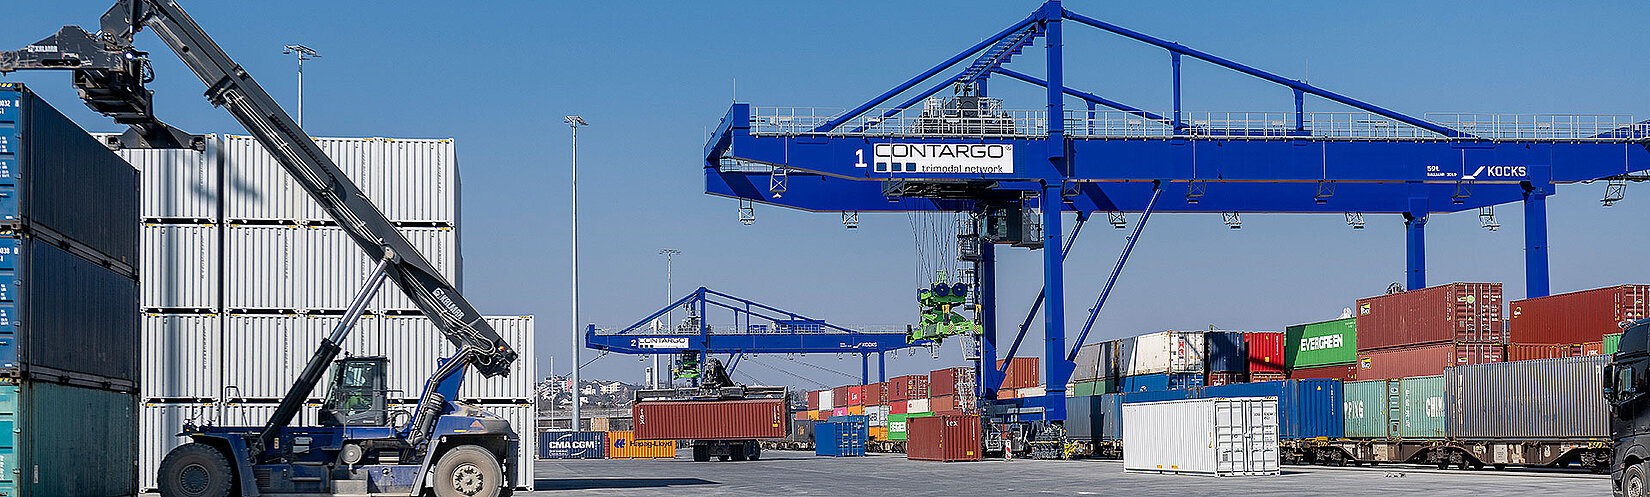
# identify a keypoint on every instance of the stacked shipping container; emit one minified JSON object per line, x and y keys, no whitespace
{"x":69,"y":353}
{"x":246,"y":274}
{"x":1421,"y":332}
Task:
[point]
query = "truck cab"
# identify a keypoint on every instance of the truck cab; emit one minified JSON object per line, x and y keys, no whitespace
{"x":1625,"y":385}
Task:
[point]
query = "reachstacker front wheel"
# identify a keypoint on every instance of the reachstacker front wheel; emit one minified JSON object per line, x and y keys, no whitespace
{"x":194,"y":470}
{"x":468,"y":471}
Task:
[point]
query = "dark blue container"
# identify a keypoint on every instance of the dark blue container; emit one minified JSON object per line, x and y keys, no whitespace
{"x":1306,"y":408}
{"x":1225,"y":352}
{"x":571,"y":444}
{"x":1159,"y":382}
{"x":1084,"y":417}
{"x":841,"y":436}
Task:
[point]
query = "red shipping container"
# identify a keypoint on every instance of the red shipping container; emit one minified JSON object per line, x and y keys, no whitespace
{"x":839,"y":396}
{"x":856,"y":395}
{"x":800,"y":415}
{"x":1335,"y":372}
{"x":1592,"y":348}
{"x":943,"y":438}
{"x":1022,"y":372}
{"x":813,"y":400}
{"x":1218,"y":379}
{"x":1425,"y":360}
{"x":942,"y":403}
{"x":711,"y":420}
{"x":1530,"y":352}
{"x":1576,"y":317}
{"x":1456,"y":312}
{"x":1265,"y":351}
{"x":913,"y":386}
{"x":897,"y":407}
{"x":876,"y":394}
{"x":949,"y":381}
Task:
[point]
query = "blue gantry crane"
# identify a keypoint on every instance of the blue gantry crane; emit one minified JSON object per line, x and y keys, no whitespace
{"x":1086,"y":153}
{"x":755,"y":328}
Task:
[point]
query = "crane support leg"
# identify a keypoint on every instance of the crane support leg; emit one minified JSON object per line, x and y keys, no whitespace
{"x":1536,"y":277}
{"x":1415,"y":223}
{"x":1056,"y":367}
{"x":864,"y":369}
{"x":882,"y":366}
{"x":1115,"y":270}
{"x":988,"y":375}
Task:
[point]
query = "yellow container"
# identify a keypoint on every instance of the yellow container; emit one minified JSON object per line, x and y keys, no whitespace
{"x":813,"y":415}
{"x":879,"y":433}
{"x":856,"y":410}
{"x":623,"y":445}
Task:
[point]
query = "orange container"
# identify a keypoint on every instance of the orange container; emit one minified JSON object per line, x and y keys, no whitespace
{"x":623,"y":445}
{"x":813,"y":415}
{"x":856,"y":410}
{"x":879,"y":433}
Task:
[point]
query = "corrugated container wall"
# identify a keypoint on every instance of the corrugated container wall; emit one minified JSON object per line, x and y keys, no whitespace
{"x":1366,"y":414}
{"x":261,"y":268}
{"x":1225,"y":351}
{"x":158,"y":427}
{"x":1336,"y":372}
{"x":1111,"y":416}
{"x":1306,"y":408}
{"x":1161,"y":352}
{"x":180,"y":268}
{"x":66,"y":440}
{"x":427,"y":187}
{"x":1425,"y":360}
{"x":1536,"y":351}
{"x":1422,"y":407}
{"x":74,"y":320}
{"x":1576,"y":317}
{"x":1529,"y":400}
{"x":1321,"y":344}
{"x":943,"y":438}
{"x":1021,"y":372}
{"x":1083,"y":417}
{"x":710,"y":420}
{"x":409,"y":180}
{"x":413,"y":345}
{"x":1215,"y":437}
{"x":179,"y":185}
{"x":64,"y":185}
{"x":1265,"y":351}
{"x":1465,"y":312}
{"x":571,"y":444}
{"x":182,"y":357}
{"x":907,"y":387}
{"x":1095,"y":361}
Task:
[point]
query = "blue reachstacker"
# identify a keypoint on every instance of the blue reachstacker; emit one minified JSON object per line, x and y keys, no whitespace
{"x":441,"y":446}
{"x":1017,"y":171}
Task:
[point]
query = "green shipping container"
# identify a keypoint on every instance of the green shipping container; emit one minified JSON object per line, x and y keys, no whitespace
{"x":1611,"y":343}
{"x":896,"y":423}
{"x":1366,"y":412}
{"x":1098,"y":387}
{"x":1421,"y":401}
{"x":64,"y":440}
{"x":1321,"y":344}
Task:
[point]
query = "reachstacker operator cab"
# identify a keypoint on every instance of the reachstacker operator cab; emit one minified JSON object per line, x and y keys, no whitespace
{"x":1625,"y":386}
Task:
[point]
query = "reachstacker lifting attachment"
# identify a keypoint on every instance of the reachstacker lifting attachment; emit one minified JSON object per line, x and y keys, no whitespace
{"x":442,"y":446}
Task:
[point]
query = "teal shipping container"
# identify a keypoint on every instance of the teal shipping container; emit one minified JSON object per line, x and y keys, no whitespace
{"x":1367,"y":412}
{"x":65,"y":440}
{"x":1422,"y":407}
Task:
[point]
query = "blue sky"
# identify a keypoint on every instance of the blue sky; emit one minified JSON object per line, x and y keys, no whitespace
{"x":652,"y":76}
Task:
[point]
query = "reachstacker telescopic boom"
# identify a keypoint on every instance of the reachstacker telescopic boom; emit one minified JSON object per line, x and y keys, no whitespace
{"x":445,"y":446}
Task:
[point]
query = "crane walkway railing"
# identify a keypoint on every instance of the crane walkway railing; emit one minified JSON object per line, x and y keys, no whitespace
{"x":921,"y":123}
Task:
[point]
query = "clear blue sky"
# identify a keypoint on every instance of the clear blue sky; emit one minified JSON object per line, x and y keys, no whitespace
{"x":653,"y":76}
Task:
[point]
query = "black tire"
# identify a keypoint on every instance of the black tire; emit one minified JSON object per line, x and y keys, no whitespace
{"x":468,"y":471}
{"x":1633,"y":482}
{"x":755,"y":452}
{"x":722,"y":458}
{"x":700,"y":454}
{"x":194,"y":470}
{"x":1499,"y":467}
{"x":737,"y":452}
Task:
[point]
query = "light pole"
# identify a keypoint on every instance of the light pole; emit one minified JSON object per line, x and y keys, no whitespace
{"x":574,"y":122}
{"x":304,"y":53}
{"x":670,"y":317}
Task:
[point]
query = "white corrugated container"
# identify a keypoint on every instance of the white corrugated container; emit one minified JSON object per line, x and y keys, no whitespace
{"x":159,"y":425}
{"x":916,"y":405}
{"x":1235,"y":436}
{"x":522,"y":419}
{"x":825,"y":399}
{"x":356,"y":157}
{"x":367,"y":339}
{"x":178,"y":185}
{"x":257,"y":187}
{"x":260,"y":268}
{"x":425,"y":187}
{"x":412,"y":344}
{"x":439,"y":246}
{"x":332,"y":268}
{"x":179,"y":267}
{"x":181,"y":357}
{"x":877,"y":415}
{"x":1162,"y":352}
{"x":262,"y":354}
